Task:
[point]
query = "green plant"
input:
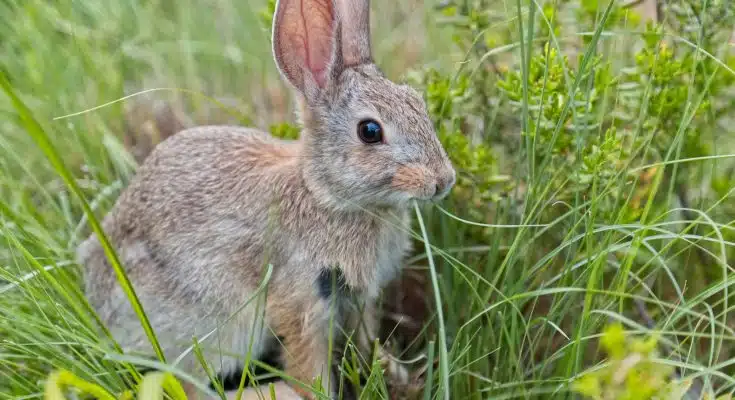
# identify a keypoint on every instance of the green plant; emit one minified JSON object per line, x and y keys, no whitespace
{"x":633,"y":371}
{"x":285,"y":130}
{"x":152,"y":387}
{"x":596,"y":123}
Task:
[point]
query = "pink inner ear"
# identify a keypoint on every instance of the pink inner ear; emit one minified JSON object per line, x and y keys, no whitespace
{"x":319,"y":22}
{"x":305,"y":32}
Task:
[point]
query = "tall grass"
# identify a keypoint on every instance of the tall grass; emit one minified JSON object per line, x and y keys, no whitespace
{"x":523,"y":304}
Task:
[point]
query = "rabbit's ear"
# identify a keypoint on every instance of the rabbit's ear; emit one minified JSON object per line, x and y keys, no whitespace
{"x":355,"y":39}
{"x":304,"y":42}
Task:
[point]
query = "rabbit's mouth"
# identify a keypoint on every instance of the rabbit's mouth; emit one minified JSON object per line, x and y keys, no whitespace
{"x":436,"y":197}
{"x":442,"y":191}
{"x":436,"y":191}
{"x":423,"y":184}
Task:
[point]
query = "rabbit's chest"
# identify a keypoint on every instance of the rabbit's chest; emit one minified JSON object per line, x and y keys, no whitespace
{"x":369,"y":255}
{"x":395,"y":246}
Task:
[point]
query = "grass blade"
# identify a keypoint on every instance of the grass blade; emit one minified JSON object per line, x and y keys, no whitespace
{"x":38,"y":134}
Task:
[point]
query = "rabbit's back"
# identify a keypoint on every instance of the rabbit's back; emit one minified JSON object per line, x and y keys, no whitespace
{"x":189,"y":231}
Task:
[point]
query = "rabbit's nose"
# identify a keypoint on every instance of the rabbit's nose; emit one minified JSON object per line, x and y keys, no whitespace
{"x":444,"y":182}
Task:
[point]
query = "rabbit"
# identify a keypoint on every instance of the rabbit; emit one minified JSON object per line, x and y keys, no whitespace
{"x":212,"y":207}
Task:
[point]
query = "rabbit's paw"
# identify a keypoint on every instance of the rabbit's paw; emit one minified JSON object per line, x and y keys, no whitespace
{"x":281,"y":390}
{"x":397,"y":373}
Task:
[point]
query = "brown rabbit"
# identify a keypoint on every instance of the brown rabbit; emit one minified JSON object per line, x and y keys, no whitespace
{"x":212,"y":206}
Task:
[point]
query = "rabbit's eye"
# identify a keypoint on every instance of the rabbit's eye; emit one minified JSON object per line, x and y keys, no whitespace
{"x":370,"y":131}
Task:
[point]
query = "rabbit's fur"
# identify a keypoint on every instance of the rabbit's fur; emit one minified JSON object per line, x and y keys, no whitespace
{"x":212,"y":206}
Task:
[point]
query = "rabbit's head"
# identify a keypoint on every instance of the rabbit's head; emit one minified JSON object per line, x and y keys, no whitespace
{"x":367,"y":141}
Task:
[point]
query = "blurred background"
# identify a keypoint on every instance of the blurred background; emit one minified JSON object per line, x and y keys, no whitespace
{"x":587,"y":247}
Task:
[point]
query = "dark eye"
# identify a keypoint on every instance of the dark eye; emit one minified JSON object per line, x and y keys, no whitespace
{"x":370,"y":131}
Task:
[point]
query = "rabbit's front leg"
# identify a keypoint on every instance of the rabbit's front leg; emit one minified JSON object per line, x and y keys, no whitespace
{"x":303,"y":330}
{"x":365,"y":320}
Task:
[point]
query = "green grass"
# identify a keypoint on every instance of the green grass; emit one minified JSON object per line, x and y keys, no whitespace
{"x":527,"y":278}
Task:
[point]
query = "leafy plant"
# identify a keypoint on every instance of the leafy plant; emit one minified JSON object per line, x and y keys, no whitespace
{"x":633,"y":371}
